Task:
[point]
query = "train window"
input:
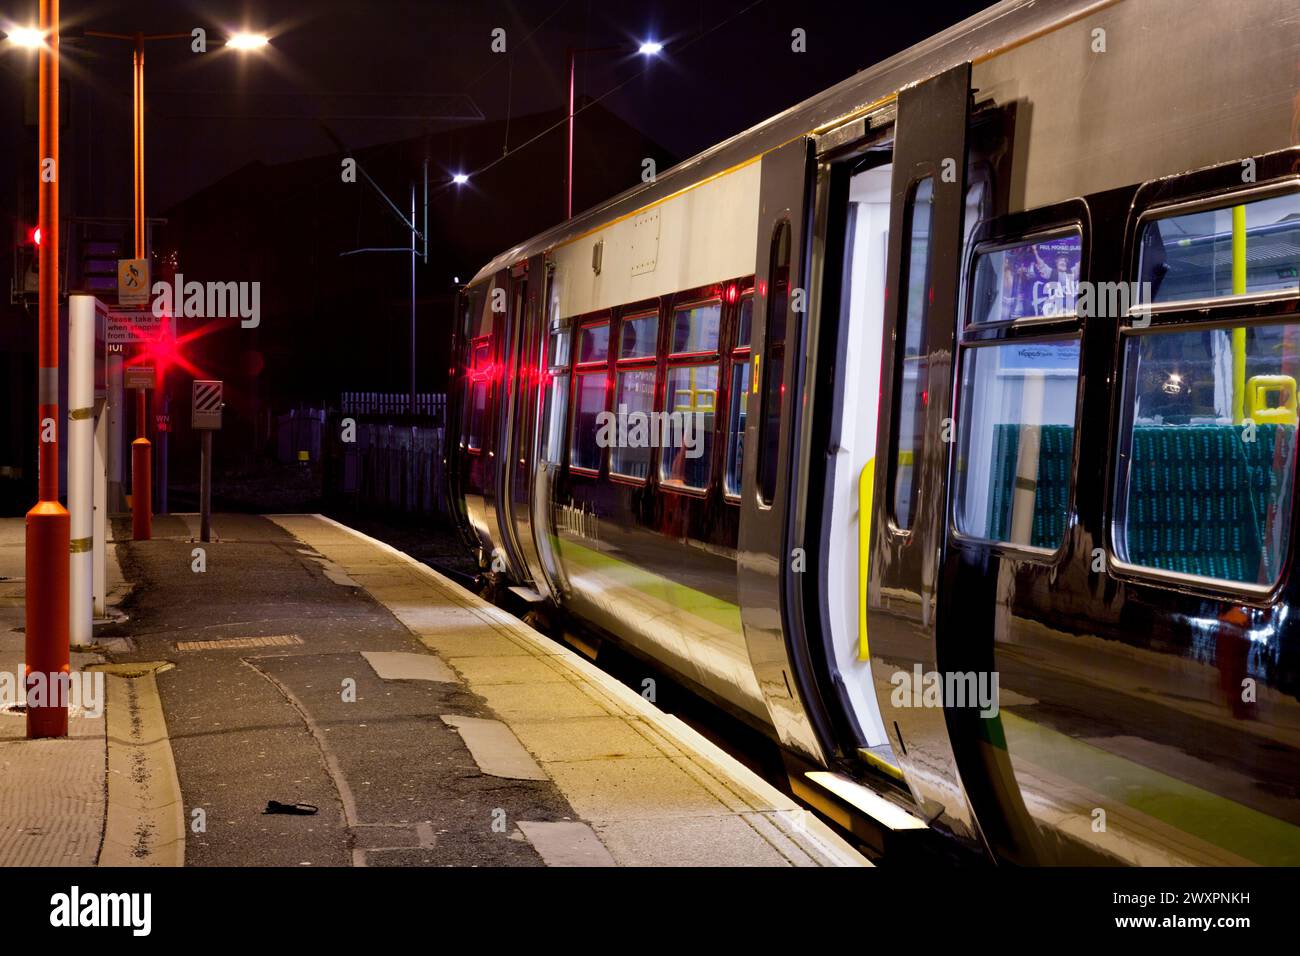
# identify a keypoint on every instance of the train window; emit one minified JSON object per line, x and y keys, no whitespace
{"x":1028,"y":280}
{"x":691,"y":396}
{"x":593,"y":344}
{"x":1017,"y":447}
{"x":590,"y":376}
{"x":556,"y":409}
{"x":1207,"y":451}
{"x":913,"y":364}
{"x":745,"y":323}
{"x":695,"y":328}
{"x":640,"y":337}
{"x":738,"y":400}
{"x":480,"y":372}
{"x":1191,"y":256}
{"x":634,"y":397}
{"x":778,"y":301}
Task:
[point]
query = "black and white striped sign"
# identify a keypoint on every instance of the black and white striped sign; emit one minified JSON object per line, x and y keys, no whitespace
{"x":207,"y":404}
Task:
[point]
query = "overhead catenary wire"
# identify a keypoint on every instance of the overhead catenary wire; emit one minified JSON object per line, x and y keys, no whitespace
{"x":592,"y":102}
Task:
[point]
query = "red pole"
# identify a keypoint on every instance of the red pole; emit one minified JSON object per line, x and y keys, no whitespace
{"x":48,"y":524}
{"x":141,"y":470}
{"x":568,"y":178}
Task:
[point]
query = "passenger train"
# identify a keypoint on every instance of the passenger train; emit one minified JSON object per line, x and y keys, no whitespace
{"x":954,"y":431}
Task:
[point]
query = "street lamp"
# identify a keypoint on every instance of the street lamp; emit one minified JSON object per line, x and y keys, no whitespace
{"x":141,"y":477}
{"x":29,"y":37}
{"x":647,"y":48}
{"x":248,"y":41}
{"x":459,"y":179}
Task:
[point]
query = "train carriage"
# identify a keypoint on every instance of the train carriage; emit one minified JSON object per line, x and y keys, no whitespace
{"x":944,"y":426}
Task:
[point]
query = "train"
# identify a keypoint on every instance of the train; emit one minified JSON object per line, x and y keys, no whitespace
{"x":943,"y":427}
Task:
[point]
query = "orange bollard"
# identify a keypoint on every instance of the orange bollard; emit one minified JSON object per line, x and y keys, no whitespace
{"x":48,"y":529}
{"x":49,"y":526}
{"x":141,"y":490}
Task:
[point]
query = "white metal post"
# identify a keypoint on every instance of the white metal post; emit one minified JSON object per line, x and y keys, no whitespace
{"x":99,"y":587}
{"x":81,"y":463}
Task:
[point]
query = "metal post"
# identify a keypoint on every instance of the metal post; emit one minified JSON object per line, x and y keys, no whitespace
{"x":81,"y":463}
{"x":48,"y":523}
{"x":116,"y":427}
{"x":163,"y":438}
{"x":141,"y":452}
{"x":98,"y":590}
{"x":205,"y":488}
{"x":411,"y":410}
{"x":568,"y":178}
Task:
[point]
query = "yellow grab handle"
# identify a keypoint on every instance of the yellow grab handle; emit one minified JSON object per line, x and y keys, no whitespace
{"x":866,"y":485}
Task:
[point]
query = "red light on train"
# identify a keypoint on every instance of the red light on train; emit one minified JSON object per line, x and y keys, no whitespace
{"x":732,"y":293}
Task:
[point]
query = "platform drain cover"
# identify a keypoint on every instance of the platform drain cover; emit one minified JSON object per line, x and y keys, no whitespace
{"x":240,"y":643}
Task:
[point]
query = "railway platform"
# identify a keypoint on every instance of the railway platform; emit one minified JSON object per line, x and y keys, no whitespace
{"x":392,"y":718}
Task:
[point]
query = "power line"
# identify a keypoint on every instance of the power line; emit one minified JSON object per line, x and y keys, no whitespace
{"x":609,"y":92}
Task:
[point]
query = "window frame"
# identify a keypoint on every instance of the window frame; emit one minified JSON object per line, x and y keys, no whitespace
{"x":991,"y":236}
{"x":1188,"y":315}
{"x":738,"y":357}
{"x":772,"y":355}
{"x":577,"y":370}
{"x":478,"y":375}
{"x":899,"y":328}
{"x":1206,"y":202}
{"x":674,"y":360}
{"x":636,"y":363}
{"x":562,"y":329}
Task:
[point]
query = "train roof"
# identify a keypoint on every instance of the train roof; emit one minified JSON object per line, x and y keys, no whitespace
{"x":979,"y":37}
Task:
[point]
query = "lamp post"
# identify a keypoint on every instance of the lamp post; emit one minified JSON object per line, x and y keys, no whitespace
{"x":48,"y":528}
{"x":141,"y":464}
{"x":648,"y":48}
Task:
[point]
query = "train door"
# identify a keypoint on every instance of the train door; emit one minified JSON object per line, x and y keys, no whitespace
{"x":531,"y":372}
{"x":767,"y":569}
{"x":477,"y":362}
{"x":553,"y":417}
{"x":908,"y":479}
{"x":514,"y":426}
{"x":854,"y":177}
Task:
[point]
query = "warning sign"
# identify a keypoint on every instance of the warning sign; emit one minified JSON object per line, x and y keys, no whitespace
{"x":207,"y":404}
{"x":132,"y":281}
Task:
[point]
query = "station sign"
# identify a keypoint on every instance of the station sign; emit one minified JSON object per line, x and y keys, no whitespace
{"x":131,"y":328}
{"x":132,"y":281}
{"x":206,"y":412}
{"x":139,"y":376}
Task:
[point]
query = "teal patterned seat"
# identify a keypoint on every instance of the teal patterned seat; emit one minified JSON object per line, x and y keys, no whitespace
{"x":1202,"y":499}
{"x":1051,"y":504}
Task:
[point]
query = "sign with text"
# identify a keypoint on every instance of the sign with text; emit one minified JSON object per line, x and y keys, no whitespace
{"x":132,"y":281}
{"x":129,"y":328}
{"x":139,"y":376}
{"x":206,"y":412}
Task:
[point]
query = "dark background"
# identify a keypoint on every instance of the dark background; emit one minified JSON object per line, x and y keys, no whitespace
{"x":242,"y":160}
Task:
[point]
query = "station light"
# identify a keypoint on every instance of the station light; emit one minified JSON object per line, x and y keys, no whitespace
{"x":248,"y":41}
{"x":650,"y":48}
{"x":28,"y":37}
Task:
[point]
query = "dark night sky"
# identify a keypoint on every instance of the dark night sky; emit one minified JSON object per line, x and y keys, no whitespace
{"x":727,"y":65}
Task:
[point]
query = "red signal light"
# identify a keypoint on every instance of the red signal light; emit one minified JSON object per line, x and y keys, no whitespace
{"x":34,"y":235}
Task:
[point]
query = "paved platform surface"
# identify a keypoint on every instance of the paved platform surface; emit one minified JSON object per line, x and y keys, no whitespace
{"x":52,"y":792}
{"x":308,"y":664}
